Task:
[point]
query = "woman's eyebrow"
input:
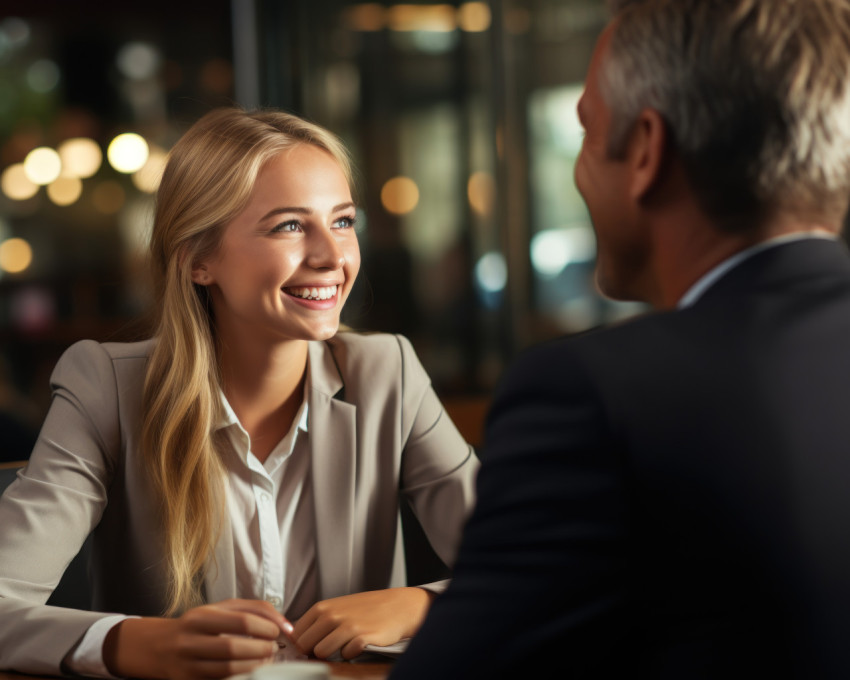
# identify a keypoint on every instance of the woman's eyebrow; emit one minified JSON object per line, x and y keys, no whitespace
{"x":303,"y":211}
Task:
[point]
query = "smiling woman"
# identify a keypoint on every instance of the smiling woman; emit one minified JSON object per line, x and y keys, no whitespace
{"x":243,"y":470}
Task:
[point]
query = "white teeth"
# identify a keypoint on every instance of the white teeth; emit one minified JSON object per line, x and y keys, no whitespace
{"x":323,"y":293}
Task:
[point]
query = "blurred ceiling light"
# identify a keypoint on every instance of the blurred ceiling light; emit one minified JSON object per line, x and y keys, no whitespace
{"x":128,"y":152}
{"x":108,"y":197}
{"x":43,"y":76}
{"x":437,"y":18}
{"x":16,"y":30}
{"x":491,"y":272}
{"x":42,"y":165}
{"x":399,"y":195}
{"x":138,"y":60}
{"x":15,"y":255}
{"x":15,"y":183}
{"x":147,"y":178}
{"x":473,"y":17}
{"x":65,"y":190}
{"x":367,"y":17}
{"x":81,"y":157}
{"x":481,"y":191}
{"x":554,"y":249}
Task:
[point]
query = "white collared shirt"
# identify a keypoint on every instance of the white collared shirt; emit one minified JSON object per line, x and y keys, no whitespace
{"x":273,"y":529}
{"x":696,"y":291}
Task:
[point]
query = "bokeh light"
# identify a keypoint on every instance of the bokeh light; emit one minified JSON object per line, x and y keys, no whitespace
{"x":399,"y":195}
{"x":474,"y":17}
{"x":15,"y":255}
{"x":42,"y":165}
{"x":128,"y":152}
{"x":481,"y":191}
{"x":64,"y":190}
{"x":43,"y":76}
{"x":15,"y":183}
{"x":491,"y":272}
{"x":138,"y":60}
{"x":81,"y":157}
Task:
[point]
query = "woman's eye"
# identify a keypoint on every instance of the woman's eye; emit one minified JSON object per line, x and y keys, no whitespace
{"x":285,"y":227}
{"x":344,"y":222}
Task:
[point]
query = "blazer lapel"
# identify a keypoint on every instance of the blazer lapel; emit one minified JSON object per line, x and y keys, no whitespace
{"x":333,"y":448}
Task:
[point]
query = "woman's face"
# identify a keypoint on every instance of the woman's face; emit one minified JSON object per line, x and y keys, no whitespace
{"x":286,"y":264}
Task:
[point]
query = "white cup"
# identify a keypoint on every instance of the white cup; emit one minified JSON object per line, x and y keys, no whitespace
{"x":292,"y":670}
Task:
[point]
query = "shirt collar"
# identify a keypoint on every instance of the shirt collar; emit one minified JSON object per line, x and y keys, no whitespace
{"x":696,"y":291}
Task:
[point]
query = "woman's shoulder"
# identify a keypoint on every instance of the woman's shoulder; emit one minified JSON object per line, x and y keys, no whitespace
{"x":96,"y":360}
{"x":369,"y":347}
{"x":374,"y":357}
{"x":92,"y":350}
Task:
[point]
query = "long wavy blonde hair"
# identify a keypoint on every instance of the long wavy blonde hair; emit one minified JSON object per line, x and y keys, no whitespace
{"x":207,"y":182}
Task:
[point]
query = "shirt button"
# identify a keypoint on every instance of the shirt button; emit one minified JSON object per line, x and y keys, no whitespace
{"x":273,"y":601}
{"x":265,"y":498}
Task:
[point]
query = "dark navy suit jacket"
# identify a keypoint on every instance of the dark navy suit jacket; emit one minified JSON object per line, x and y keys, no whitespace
{"x":667,"y":498}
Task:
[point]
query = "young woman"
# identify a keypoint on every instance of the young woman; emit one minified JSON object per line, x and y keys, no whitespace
{"x":241,"y":471}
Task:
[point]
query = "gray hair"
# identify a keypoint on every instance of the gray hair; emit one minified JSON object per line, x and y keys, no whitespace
{"x":755,"y":94}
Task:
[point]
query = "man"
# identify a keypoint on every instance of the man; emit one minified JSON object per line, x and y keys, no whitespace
{"x":670,"y":498}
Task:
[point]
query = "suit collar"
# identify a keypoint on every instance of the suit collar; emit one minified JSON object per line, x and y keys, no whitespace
{"x":801,"y":260}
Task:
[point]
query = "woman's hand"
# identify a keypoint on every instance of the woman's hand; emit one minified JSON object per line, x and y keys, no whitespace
{"x":348,"y":623}
{"x":211,"y":641}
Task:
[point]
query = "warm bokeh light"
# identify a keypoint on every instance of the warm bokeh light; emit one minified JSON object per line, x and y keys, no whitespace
{"x":473,"y":17}
{"x":367,"y":17}
{"x":81,"y":157}
{"x":399,"y":195}
{"x":437,"y":18}
{"x":15,"y":183}
{"x":481,"y":191}
{"x":108,"y":197}
{"x":15,"y":255}
{"x":128,"y":152}
{"x":65,"y":190}
{"x":42,"y":165}
{"x":147,"y":179}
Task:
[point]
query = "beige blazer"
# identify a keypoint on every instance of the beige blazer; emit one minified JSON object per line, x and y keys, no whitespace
{"x":377,"y":432}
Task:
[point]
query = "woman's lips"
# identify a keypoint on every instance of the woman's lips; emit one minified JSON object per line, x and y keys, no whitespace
{"x":314,"y":297}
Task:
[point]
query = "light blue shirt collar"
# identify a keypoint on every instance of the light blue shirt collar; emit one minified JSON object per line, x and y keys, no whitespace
{"x":696,"y":291}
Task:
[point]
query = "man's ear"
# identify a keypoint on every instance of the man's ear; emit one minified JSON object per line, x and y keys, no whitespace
{"x":647,"y":148}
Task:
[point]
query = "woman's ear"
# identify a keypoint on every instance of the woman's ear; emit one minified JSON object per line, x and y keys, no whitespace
{"x":201,"y":275}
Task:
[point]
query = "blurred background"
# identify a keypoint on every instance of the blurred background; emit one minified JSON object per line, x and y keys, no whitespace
{"x":460,"y":117}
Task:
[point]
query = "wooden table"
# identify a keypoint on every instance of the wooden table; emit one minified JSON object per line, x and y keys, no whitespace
{"x":361,"y":671}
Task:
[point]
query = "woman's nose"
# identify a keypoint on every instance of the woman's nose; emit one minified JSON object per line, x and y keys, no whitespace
{"x":324,"y":251}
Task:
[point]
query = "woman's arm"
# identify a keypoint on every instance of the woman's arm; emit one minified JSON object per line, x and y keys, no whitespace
{"x":211,"y":641}
{"x":46,"y":514}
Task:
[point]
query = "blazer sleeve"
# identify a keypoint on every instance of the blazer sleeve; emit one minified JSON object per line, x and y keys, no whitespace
{"x":438,"y":467}
{"x":49,"y":510}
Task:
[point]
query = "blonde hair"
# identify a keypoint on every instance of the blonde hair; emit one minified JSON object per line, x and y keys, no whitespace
{"x":207,"y":182}
{"x":755,"y":94}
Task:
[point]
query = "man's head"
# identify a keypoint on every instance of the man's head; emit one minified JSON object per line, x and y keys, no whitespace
{"x":755,"y":95}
